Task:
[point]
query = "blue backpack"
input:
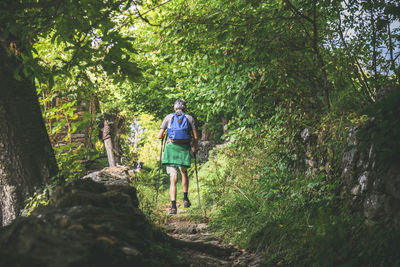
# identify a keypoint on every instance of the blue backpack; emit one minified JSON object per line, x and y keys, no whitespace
{"x":179,"y":128}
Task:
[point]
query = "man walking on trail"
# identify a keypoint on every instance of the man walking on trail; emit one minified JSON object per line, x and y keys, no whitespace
{"x":177,"y":151}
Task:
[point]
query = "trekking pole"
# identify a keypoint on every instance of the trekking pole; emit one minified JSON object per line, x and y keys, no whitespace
{"x":165,"y":141}
{"x":197,"y":179}
{"x":159,"y":167}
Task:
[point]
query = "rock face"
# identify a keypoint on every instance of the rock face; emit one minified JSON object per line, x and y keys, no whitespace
{"x":375,"y":189}
{"x":372,"y":186}
{"x":204,"y":148}
{"x":88,"y":223}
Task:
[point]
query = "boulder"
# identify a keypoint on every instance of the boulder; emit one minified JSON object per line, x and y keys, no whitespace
{"x":94,"y":221}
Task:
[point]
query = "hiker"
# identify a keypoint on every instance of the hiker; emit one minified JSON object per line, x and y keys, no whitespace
{"x":177,"y":150}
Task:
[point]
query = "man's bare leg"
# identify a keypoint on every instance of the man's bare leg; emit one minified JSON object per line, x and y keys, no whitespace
{"x":172,"y":186}
{"x":185,"y":187}
{"x":185,"y":180}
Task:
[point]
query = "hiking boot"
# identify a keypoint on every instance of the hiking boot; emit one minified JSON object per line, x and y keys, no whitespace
{"x":186,"y":203}
{"x":173,"y":210}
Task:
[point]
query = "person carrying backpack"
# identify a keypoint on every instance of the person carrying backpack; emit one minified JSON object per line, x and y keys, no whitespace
{"x":180,"y":127}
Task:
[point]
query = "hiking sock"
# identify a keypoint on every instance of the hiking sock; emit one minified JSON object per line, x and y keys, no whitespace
{"x":185,"y":195}
{"x":173,"y":204}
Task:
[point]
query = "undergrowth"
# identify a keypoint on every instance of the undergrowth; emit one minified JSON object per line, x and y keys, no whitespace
{"x":294,"y":213}
{"x":295,"y":219}
{"x":145,"y":184}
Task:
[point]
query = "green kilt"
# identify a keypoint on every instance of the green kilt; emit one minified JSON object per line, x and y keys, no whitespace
{"x":177,"y":155}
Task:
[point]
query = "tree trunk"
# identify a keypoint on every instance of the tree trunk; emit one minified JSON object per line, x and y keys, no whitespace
{"x":205,"y":133}
{"x":326,"y":85}
{"x":116,"y":138}
{"x":26,"y":157}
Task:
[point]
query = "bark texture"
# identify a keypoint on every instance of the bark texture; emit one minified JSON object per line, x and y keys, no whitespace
{"x":26,"y":157}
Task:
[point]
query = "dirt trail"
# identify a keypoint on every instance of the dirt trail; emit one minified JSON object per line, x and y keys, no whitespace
{"x":200,"y":248}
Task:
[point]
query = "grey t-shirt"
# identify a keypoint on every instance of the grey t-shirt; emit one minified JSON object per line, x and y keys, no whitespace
{"x":167,"y":121}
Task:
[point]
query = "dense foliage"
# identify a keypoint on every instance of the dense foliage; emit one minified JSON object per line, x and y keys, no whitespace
{"x":238,"y":59}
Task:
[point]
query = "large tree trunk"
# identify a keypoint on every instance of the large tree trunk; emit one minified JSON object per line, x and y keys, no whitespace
{"x":26,"y":157}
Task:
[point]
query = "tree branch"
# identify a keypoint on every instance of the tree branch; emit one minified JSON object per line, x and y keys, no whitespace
{"x":145,"y":19}
{"x":157,"y":6}
{"x":321,"y":63}
{"x":140,"y":15}
{"x":295,"y":10}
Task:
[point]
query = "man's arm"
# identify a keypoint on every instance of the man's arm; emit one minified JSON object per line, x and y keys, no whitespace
{"x":161,"y":134}
{"x":164,"y":126}
{"x":195,"y":141}
{"x":194,"y":131}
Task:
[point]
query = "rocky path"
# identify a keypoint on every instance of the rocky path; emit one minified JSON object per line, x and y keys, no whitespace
{"x":200,"y":248}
